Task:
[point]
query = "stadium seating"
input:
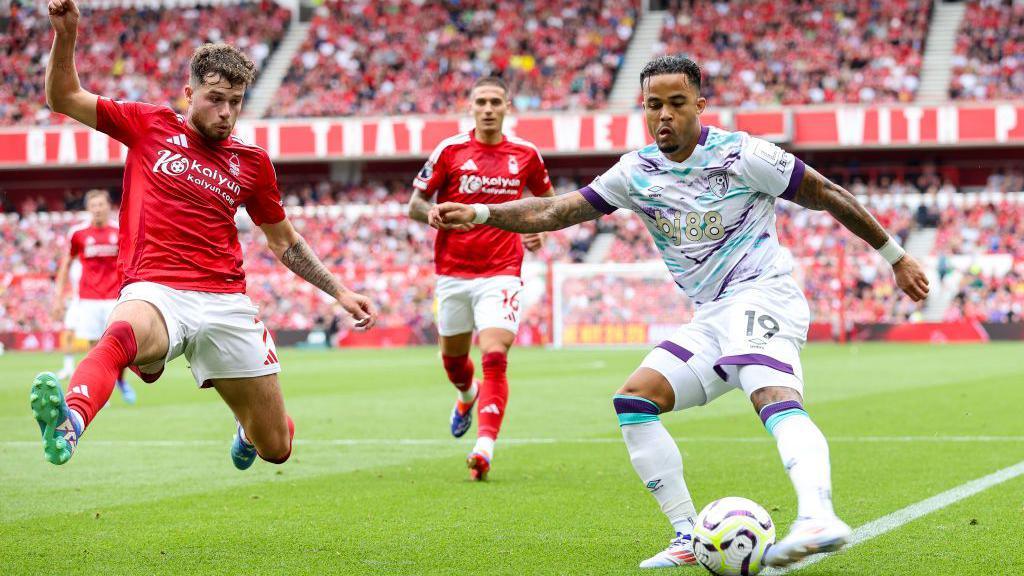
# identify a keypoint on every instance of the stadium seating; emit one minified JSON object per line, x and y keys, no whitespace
{"x":361,"y":232}
{"x":127,"y":53}
{"x":368,"y":58}
{"x":989,"y":57}
{"x":764,"y":52}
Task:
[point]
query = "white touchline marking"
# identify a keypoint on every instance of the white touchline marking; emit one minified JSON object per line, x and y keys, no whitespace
{"x":443,"y":442}
{"x":906,"y":515}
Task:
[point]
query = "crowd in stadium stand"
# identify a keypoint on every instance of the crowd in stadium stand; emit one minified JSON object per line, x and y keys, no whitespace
{"x":368,"y":240}
{"x":988,"y":63}
{"x":402,"y":57}
{"x":988,"y":297}
{"x":767,"y":52}
{"x":126,"y":53}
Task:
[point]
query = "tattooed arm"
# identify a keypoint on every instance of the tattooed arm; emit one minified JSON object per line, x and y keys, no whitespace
{"x":293,"y":251}
{"x":419,"y":206}
{"x":819,"y":193}
{"x":525,"y":216}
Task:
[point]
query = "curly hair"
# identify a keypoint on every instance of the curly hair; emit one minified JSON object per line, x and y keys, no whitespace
{"x":212,"y":63}
{"x":672,"y":65}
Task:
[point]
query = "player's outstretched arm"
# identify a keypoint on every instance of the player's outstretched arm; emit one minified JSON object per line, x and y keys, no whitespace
{"x":525,"y":216}
{"x":293,"y":251}
{"x":64,"y":93}
{"x":819,"y":193}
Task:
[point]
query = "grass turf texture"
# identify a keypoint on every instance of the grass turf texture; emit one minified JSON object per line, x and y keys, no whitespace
{"x":152,"y":488}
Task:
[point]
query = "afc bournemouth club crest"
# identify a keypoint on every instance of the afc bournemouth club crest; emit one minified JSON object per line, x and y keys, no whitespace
{"x":234,"y":165}
{"x":513,"y":165}
{"x":718,"y":182}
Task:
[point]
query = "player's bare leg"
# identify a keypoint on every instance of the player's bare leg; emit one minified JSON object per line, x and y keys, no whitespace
{"x":804,"y":453}
{"x":264,"y":427}
{"x":135,"y":335}
{"x":459,"y":368}
{"x":656,"y":459}
{"x":494,"y":346}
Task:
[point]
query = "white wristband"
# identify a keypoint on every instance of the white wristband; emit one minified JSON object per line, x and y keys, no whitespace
{"x":892,"y":251}
{"x":482,"y":213}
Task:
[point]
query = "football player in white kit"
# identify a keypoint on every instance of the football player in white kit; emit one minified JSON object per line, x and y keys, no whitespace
{"x":707,"y":197}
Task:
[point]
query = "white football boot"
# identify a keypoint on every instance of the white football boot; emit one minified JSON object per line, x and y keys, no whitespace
{"x":808,"y":536}
{"x":678,"y":553}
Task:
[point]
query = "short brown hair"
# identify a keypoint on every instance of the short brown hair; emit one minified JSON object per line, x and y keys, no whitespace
{"x":96,"y":192}
{"x":490,"y":81}
{"x":212,"y":63}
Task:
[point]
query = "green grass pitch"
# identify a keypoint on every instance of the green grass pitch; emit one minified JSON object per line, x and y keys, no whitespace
{"x":377,"y":486}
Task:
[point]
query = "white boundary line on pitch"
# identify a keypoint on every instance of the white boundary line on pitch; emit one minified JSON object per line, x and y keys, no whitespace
{"x":903,"y":516}
{"x":443,"y":442}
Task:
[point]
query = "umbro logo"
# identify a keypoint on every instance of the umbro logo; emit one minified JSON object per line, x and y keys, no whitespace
{"x":469,"y":165}
{"x":179,"y":140}
{"x":654,"y":485}
{"x":491,"y":409}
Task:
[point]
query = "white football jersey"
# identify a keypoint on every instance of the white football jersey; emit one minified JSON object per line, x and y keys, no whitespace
{"x":711,"y":216}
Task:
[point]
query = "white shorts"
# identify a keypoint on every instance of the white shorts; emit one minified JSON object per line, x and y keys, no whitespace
{"x":467,"y":303}
{"x":221,"y":335}
{"x":748,"y":340}
{"x":90,"y":318}
{"x":70,"y":314}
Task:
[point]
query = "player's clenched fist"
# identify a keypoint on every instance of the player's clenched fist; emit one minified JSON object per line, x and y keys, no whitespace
{"x":64,"y":15}
{"x":451,"y":216}
{"x":910,"y":278}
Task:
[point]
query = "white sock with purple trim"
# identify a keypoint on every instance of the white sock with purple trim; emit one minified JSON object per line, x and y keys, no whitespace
{"x":804,"y":453}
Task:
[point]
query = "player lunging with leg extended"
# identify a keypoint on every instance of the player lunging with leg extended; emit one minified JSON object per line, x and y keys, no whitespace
{"x":478,"y":267}
{"x":183,"y":289}
{"x":95,"y":247}
{"x":707,"y":197}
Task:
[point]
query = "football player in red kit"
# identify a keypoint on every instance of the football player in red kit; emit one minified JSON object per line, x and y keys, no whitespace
{"x":478,"y":267}
{"x":179,"y":259}
{"x":94,"y":245}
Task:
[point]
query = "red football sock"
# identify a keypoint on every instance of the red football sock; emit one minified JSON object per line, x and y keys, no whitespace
{"x":291,"y":436}
{"x":493,"y":394}
{"x":94,"y":378}
{"x":460,"y":370}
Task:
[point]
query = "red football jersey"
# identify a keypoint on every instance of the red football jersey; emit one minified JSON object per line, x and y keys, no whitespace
{"x":96,"y":248}
{"x":180,"y":195}
{"x":463,"y":169}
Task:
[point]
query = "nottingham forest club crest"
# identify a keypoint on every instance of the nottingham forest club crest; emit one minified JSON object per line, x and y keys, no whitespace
{"x":234,"y":165}
{"x":718,"y":182}
{"x":513,"y":165}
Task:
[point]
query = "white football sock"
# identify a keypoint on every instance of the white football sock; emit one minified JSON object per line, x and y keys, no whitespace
{"x":659,"y":464}
{"x":804,"y":453}
{"x":485,"y":444}
{"x":469,"y":394}
{"x":69,"y":362}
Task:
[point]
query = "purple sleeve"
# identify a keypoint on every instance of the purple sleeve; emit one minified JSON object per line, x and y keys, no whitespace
{"x":794,"y":180}
{"x":597,"y":201}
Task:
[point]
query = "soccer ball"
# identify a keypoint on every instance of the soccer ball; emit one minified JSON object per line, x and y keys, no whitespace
{"x":731,"y":536}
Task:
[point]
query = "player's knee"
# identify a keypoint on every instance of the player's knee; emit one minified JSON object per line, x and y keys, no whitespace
{"x":650,"y":386}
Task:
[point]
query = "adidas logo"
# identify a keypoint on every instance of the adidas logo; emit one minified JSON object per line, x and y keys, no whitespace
{"x":491,"y":409}
{"x":271,"y":359}
{"x":83,"y":390}
{"x":179,"y":140}
{"x":469,"y":165}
